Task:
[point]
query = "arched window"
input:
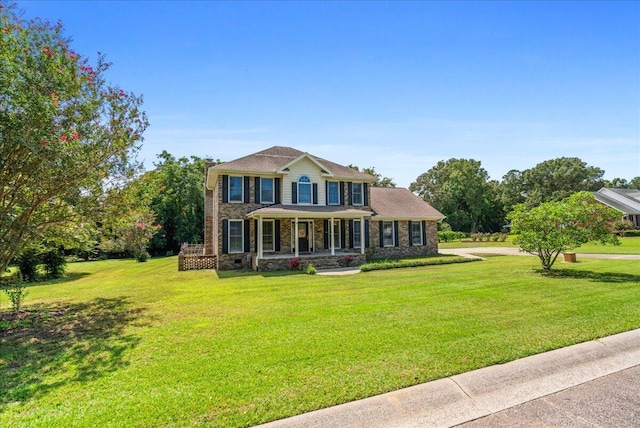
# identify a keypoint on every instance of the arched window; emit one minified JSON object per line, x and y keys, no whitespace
{"x":304,"y":190}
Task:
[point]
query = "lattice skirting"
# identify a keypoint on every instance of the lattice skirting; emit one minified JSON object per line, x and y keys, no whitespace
{"x":197,"y":262}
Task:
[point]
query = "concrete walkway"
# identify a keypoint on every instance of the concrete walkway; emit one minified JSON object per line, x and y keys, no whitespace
{"x":487,"y":392}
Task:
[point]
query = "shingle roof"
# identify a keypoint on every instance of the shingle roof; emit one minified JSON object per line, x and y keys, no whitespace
{"x":399,"y":203}
{"x":626,"y":201}
{"x":271,"y":160}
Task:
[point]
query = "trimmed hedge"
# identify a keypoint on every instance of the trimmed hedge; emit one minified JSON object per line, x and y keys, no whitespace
{"x":404,"y":263}
{"x":450,"y":236}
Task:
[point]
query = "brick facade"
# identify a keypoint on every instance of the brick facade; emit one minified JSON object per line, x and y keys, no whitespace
{"x":218,"y":213}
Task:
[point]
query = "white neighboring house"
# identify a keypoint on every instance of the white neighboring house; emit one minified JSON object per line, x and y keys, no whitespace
{"x":627,"y":201}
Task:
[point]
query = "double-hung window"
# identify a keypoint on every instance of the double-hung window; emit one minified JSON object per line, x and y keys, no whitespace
{"x":266,"y":190}
{"x":388,"y":235}
{"x":236,"y":236}
{"x":416,"y":233}
{"x":333,"y":193}
{"x":235,"y":189}
{"x":304,"y":190}
{"x":357,"y":239}
{"x":357,"y":196}
{"x":336,"y":235}
{"x":267,"y":235}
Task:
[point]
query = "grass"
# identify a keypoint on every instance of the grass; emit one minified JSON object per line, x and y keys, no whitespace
{"x":120,"y":343}
{"x":628,"y":245}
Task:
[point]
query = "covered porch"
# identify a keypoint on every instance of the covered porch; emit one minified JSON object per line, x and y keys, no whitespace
{"x":313,"y":234}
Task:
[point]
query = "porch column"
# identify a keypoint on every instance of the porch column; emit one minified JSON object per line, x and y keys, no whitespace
{"x":362,"y":240}
{"x":331,"y":231}
{"x":260,"y":243}
{"x":296,"y":241}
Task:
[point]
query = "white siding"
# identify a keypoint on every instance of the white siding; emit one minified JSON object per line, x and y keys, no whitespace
{"x":303,"y":167}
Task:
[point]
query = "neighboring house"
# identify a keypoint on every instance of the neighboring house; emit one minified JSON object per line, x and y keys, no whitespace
{"x":265,"y":209}
{"x":627,"y":201}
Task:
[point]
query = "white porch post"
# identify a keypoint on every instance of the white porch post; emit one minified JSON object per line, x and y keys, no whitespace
{"x":362,"y":241}
{"x":260,"y":241}
{"x":296,"y":240}
{"x":331,"y":231}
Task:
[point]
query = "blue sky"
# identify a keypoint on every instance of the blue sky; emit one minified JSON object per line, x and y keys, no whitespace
{"x":394,"y":85}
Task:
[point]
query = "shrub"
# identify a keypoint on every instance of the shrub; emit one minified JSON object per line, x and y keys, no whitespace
{"x":345,"y":261}
{"x":54,"y":262}
{"x":623,"y":227}
{"x":142,"y":256}
{"x":28,"y":262}
{"x":450,"y":236}
{"x":309,"y":269}
{"x":396,"y":263}
{"x":294,"y":263}
{"x":16,"y":292}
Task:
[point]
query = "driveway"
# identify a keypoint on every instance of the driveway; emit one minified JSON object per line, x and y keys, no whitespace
{"x":476,"y":252}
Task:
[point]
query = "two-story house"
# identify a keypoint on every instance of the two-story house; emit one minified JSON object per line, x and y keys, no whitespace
{"x":267,"y":208}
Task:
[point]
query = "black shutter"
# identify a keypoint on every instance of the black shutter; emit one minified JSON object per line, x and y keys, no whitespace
{"x":315,"y":193}
{"x":366,"y":233}
{"x":257,"y":190}
{"x":395,"y":232}
{"x":276,"y":235}
{"x":247,"y":238}
{"x":326,"y":192}
{"x":326,"y":235}
{"x":294,"y":193}
{"x":255,"y":235}
{"x":342,"y":233}
{"x":225,"y":188}
{"x":349,"y":190}
{"x":247,"y":187}
{"x":410,"y":235}
{"x":341,"y":193}
{"x":225,"y":236}
{"x":365,"y":190}
{"x":276,"y":190}
{"x":424,"y":232}
{"x":351,"y":234}
{"x":381,"y":224}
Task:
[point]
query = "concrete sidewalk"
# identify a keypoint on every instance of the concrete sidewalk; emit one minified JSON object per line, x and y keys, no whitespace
{"x":473,"y":395}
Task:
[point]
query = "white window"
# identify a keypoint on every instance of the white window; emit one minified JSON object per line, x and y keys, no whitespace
{"x":267,"y":235}
{"x":416,"y":233}
{"x":266,"y":190}
{"x":356,"y":234}
{"x":304,"y":190}
{"x":333,"y":193}
{"x":235,"y":189}
{"x":336,"y":235}
{"x":388,"y":235}
{"x":357,"y":196}
{"x":236,"y":236}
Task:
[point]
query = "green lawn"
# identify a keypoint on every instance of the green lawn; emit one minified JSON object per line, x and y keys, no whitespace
{"x":121,"y":343}
{"x":628,"y":245}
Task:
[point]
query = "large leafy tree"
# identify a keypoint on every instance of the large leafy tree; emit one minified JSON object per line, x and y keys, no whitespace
{"x":461,"y":190}
{"x":66,"y":135}
{"x":558,"y":226}
{"x":551,"y":180}
{"x":178,"y":201}
{"x":380,"y":180}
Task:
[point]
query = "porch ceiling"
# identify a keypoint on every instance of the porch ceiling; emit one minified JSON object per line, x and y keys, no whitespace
{"x":311,"y":211}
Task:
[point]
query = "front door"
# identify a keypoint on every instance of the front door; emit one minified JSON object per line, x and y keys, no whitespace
{"x":303,"y":237}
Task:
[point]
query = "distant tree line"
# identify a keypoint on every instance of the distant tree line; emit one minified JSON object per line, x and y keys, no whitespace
{"x":462,"y":191}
